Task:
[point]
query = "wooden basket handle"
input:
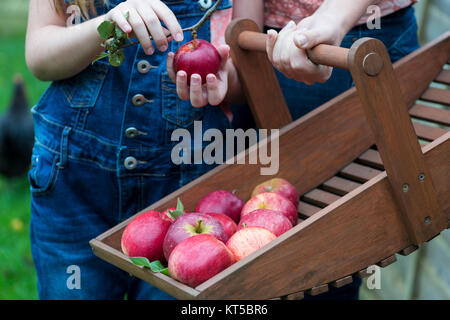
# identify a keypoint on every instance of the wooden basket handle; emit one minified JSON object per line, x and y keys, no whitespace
{"x":324,"y":54}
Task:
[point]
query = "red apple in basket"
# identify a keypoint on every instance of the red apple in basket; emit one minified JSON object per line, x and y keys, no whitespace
{"x":198,"y":258}
{"x":227,"y":223}
{"x":274,"y":221}
{"x":144,"y":236}
{"x":197,"y":57}
{"x":271,"y":201}
{"x":280,"y":186}
{"x":221,"y":201}
{"x":248,"y":240}
{"x":191,"y":224}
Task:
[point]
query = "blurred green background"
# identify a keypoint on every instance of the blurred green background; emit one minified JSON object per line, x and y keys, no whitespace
{"x":17,"y":275}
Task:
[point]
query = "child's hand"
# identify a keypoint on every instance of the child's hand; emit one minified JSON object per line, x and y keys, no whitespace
{"x":287,"y":50}
{"x":215,"y":89}
{"x":145,"y":18}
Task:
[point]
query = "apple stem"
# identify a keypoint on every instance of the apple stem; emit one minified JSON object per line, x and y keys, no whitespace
{"x":198,"y":226}
{"x":194,"y":35}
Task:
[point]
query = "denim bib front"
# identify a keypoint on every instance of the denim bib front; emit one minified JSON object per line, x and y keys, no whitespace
{"x":130,"y":110}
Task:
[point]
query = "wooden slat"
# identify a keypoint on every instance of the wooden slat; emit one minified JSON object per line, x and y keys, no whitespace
{"x":342,"y":282}
{"x":307,"y":210}
{"x":320,"y":198}
{"x":443,"y":77}
{"x":371,"y":158}
{"x":437,"y":95}
{"x":359,"y":172}
{"x":428,"y":132}
{"x":340,"y":185}
{"x":363,"y":273}
{"x":296,"y":296}
{"x":439,"y":116}
{"x":408,"y":250}
{"x":385,"y":262}
{"x":318,"y":290}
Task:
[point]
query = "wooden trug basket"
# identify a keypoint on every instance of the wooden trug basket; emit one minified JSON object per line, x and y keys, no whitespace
{"x":369,"y":189}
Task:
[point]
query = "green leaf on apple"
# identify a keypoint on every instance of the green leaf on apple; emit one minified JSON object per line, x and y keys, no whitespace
{"x":155,"y":266}
{"x":179,"y":210}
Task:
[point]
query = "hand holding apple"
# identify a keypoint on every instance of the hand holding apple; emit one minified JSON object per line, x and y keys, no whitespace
{"x":208,"y":84}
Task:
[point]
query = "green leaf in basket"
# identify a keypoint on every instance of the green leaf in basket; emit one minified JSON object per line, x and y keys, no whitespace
{"x":179,"y":210}
{"x":105,"y":29}
{"x":155,"y":266}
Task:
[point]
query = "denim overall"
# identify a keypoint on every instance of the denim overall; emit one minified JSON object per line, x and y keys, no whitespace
{"x":102,"y":153}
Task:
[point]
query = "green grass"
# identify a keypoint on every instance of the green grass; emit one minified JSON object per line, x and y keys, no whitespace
{"x":17,"y":273}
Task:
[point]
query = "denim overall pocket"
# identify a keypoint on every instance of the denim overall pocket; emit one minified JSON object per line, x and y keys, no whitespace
{"x":82,"y":90}
{"x":44,"y":170}
{"x":174,"y":110}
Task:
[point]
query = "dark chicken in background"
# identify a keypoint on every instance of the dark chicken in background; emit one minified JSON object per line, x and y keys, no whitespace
{"x":16,"y":134}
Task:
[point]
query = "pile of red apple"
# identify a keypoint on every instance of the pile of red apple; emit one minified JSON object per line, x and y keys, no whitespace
{"x":222,"y":230}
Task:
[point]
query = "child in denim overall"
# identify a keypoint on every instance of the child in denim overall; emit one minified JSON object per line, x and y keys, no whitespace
{"x":103,"y":138}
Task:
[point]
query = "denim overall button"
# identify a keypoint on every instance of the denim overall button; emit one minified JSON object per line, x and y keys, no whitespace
{"x":130,"y":163}
{"x":132,"y":132}
{"x":144,"y":66}
{"x":139,"y":100}
{"x":205,"y":4}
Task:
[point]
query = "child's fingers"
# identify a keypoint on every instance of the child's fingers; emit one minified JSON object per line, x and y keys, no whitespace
{"x":170,"y":20}
{"x":280,"y":55}
{"x":199,"y":97}
{"x":182,"y":85}
{"x":140,"y":31}
{"x":119,"y":18}
{"x":270,"y":43}
{"x":224,"y":52}
{"x":153,"y":25}
{"x":169,"y":64}
{"x":215,"y":94}
{"x":309,"y":38}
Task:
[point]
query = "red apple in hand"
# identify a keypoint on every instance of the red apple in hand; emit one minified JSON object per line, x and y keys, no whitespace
{"x":271,"y":201}
{"x":248,"y":240}
{"x":221,"y":201}
{"x":191,"y":224}
{"x":280,"y":186}
{"x":227,"y":223}
{"x":197,"y":57}
{"x":198,"y":258}
{"x":274,"y":221}
{"x":144,"y":236}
